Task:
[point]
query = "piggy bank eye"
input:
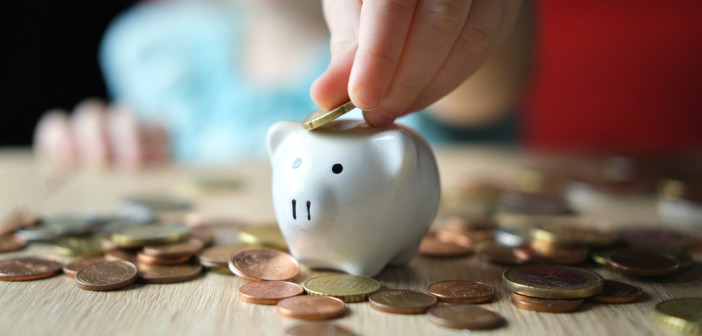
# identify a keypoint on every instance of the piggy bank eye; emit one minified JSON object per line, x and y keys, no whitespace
{"x":337,"y":168}
{"x":297,"y":163}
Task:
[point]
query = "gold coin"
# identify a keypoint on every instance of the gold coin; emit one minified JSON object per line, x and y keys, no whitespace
{"x":683,"y":314}
{"x":552,"y":281}
{"x":322,"y":117}
{"x":151,"y":234}
{"x":81,"y":246}
{"x":263,"y":235}
{"x":349,"y":288}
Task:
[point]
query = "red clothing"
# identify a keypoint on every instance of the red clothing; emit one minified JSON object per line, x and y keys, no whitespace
{"x":616,"y":75}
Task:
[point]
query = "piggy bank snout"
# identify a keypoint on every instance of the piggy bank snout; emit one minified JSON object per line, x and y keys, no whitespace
{"x":295,"y":212}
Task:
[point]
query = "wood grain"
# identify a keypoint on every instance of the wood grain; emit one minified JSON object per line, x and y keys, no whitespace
{"x":210,"y":305}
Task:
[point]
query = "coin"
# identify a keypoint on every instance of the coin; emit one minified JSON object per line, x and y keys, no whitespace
{"x":496,"y":253}
{"x":465,"y":316}
{"x":269,"y":292}
{"x":28,"y":268}
{"x":682,"y":314}
{"x":57,"y":226}
{"x":11,"y":242}
{"x":263,"y":235}
{"x":433,"y":247}
{"x":349,"y":288}
{"x":461,"y":291}
{"x":655,"y":237}
{"x":322,"y":117}
{"x":168,"y":274}
{"x":552,"y":281}
{"x":573,"y":235}
{"x":600,"y":256}
{"x":72,"y":269}
{"x":545,"y":305}
{"x":150,"y":234}
{"x":218,"y":256}
{"x":203,"y":233}
{"x":617,"y":292}
{"x":118,"y":254}
{"x":308,"y":307}
{"x":80,"y":246}
{"x":550,"y":253}
{"x":402,"y":301}
{"x":261,"y":264}
{"x":158,"y":202}
{"x":643,"y":263}
{"x":187,"y":248}
{"x":163,"y":261}
{"x":106,"y":275}
{"x":318,"y":329}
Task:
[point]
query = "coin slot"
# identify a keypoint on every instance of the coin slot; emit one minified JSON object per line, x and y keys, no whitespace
{"x":308,"y":210}
{"x":293,"y":208}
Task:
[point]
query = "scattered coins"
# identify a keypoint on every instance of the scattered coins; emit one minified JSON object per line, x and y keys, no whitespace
{"x":125,"y":255}
{"x":29,"y":268}
{"x":187,"y":248}
{"x":152,"y":260}
{"x":617,"y":292}
{"x":431,"y":246}
{"x":322,"y":117}
{"x":73,"y":268}
{"x":402,"y":301}
{"x":552,"y":281}
{"x":465,"y":317}
{"x":151,"y":234}
{"x":169,"y":274}
{"x":263,"y":264}
{"x":642,"y":263}
{"x":349,"y":288}
{"x":106,"y":275}
{"x":318,"y":329}
{"x":218,"y":256}
{"x":314,"y":307}
{"x":80,"y":246}
{"x":203,"y":233}
{"x":545,"y":305}
{"x":682,"y":314}
{"x":269,"y":292}
{"x":461,"y":291}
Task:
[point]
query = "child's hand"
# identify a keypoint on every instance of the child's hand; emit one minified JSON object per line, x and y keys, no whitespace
{"x":392,"y":57}
{"x":98,"y":135}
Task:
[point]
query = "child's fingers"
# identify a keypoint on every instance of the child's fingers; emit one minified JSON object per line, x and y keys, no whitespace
{"x":53,"y":139}
{"x":89,"y":122}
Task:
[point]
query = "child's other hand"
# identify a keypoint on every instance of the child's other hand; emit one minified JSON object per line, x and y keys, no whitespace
{"x":392,"y":57}
{"x":98,"y":135}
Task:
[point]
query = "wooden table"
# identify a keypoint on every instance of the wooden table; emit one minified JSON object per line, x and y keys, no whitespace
{"x":210,"y":305}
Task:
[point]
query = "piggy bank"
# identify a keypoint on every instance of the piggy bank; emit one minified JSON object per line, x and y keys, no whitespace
{"x":351,"y":197}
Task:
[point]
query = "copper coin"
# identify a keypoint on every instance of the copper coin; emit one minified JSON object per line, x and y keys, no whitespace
{"x":402,"y":301}
{"x":169,"y":274}
{"x":11,"y":242}
{"x":311,"y":307}
{"x":107,"y":275}
{"x":203,"y":233}
{"x":497,"y":253}
{"x":461,"y":291}
{"x":617,"y":292}
{"x":655,"y":237}
{"x":19,"y":218}
{"x":545,"y":305}
{"x":269,"y":292}
{"x":73,"y":268}
{"x":643,"y":263}
{"x":28,"y":268}
{"x":151,"y":260}
{"x":264,"y":264}
{"x":188,"y":248}
{"x":218,"y":256}
{"x":121,"y":255}
{"x":553,"y":254}
{"x":318,"y":329}
{"x":433,"y":247}
{"x":464,"y":317}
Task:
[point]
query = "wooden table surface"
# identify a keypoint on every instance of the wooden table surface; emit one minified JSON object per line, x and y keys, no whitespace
{"x":210,"y":305}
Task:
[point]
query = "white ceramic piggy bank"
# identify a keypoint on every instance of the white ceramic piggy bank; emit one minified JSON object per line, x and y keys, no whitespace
{"x":350,"y":197}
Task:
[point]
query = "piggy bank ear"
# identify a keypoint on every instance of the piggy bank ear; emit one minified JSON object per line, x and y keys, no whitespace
{"x":396,"y":151}
{"x":278,"y":133}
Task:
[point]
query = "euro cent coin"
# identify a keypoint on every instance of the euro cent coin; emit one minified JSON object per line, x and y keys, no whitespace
{"x":545,"y":305}
{"x":269,"y":292}
{"x":682,"y":314}
{"x":552,"y":281}
{"x":349,"y":288}
{"x":617,"y":292}
{"x":264,"y":264}
{"x":28,"y":268}
{"x":308,"y":307}
{"x":322,"y":117}
{"x":402,"y":301}
{"x":106,"y":275}
{"x":464,"y":316}
{"x":461,"y":291}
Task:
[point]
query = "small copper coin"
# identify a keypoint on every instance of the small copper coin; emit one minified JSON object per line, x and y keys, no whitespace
{"x":461,"y":291}
{"x":168,"y":274}
{"x":264,"y":264}
{"x":643,"y":263}
{"x":218,"y":256}
{"x":106,"y":275}
{"x":28,"y":268}
{"x":203,"y":233}
{"x":187,"y":248}
{"x":402,"y":301}
{"x":497,"y":253}
{"x":151,"y":260}
{"x":73,"y":268}
{"x":536,"y":252}
{"x":121,"y":255}
{"x":433,"y":247}
{"x":318,"y":329}
{"x":11,"y":242}
{"x":546,"y":305}
{"x":464,"y":316}
{"x":617,"y":292}
{"x":311,"y":307}
{"x":269,"y":292}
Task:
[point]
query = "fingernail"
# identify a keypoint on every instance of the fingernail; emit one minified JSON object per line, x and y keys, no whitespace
{"x":365,"y":98}
{"x":378,"y":118}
